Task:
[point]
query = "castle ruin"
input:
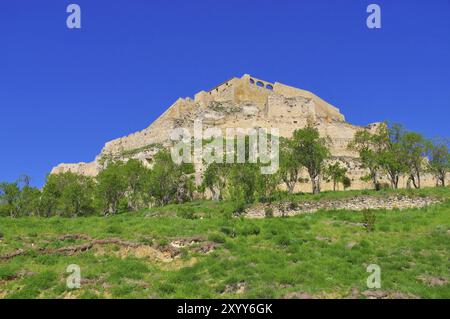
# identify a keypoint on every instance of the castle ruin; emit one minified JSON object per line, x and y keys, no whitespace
{"x":245,"y":102}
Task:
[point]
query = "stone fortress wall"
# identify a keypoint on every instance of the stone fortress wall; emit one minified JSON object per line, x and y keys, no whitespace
{"x":245,"y":102}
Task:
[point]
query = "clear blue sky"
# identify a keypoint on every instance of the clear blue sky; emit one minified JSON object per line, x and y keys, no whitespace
{"x":64,"y":93}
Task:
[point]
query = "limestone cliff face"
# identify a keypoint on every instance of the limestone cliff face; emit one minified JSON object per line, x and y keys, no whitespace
{"x":244,"y":102}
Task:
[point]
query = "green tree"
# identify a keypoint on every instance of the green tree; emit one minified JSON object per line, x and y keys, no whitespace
{"x":19,"y":198}
{"x":391,"y":156}
{"x":170,"y":182}
{"x":9,"y":196}
{"x":266,"y":186}
{"x":111,"y":187}
{"x":439,"y":161}
{"x":68,"y":194}
{"x":29,"y":201}
{"x":242,"y":184}
{"x":51,"y":193}
{"x":290,"y":167}
{"x":366,"y":145}
{"x":336,"y":173}
{"x":413,"y":148}
{"x":215,"y":179}
{"x":136,"y":177}
{"x":77,"y":197}
{"x":311,"y":152}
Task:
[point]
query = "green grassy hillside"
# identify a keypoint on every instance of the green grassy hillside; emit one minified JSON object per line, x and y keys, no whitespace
{"x":198,"y":250}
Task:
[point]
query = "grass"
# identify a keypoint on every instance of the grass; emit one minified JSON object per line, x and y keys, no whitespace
{"x":324,"y":254}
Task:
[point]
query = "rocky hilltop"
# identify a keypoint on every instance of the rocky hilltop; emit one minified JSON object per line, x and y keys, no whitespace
{"x":245,"y":102}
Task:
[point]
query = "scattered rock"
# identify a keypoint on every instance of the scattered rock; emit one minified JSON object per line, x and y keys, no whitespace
{"x":7,"y":256}
{"x":354,"y":294}
{"x":145,"y":252}
{"x":206,"y":247}
{"x":433,"y":281}
{"x":381,"y":294}
{"x":187,"y":241}
{"x":298,"y":295}
{"x":237,"y":288}
{"x":66,"y":250}
{"x":74,"y":236}
{"x":320,"y":238}
{"x":20,"y":274}
{"x":163,"y":253}
{"x":84,"y":281}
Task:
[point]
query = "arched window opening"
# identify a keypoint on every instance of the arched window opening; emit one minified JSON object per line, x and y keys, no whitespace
{"x":269,"y":87}
{"x":260,"y":84}
{"x":252,"y":81}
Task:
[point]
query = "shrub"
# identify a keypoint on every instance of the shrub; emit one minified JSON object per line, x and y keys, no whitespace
{"x":293,"y":205}
{"x":238,"y":207}
{"x":382,"y":186}
{"x":42,"y":281}
{"x":113,"y":229}
{"x":217,"y":238}
{"x":163,"y":242}
{"x":369,"y":219}
{"x":229,"y":231}
{"x":250,"y":230}
{"x":187,"y":213}
{"x":283,"y":240}
{"x":268,"y":212}
{"x":7,"y":271}
{"x":346,"y":182}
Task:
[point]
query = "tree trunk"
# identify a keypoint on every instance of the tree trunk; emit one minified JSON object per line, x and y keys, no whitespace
{"x":215,"y":194}
{"x":393,"y":177}
{"x":315,"y":185}
{"x":291,"y":187}
{"x":414,"y":183}
{"x":396,"y":181}
{"x":442,"y":178}
{"x":374,"y":178}
{"x":418,"y":179}
{"x":412,"y":179}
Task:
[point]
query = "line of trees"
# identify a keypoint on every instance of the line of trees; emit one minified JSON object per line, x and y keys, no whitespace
{"x":129,"y":186}
{"x":394,"y":152}
{"x":244,"y":184}
{"x":121,"y":186}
